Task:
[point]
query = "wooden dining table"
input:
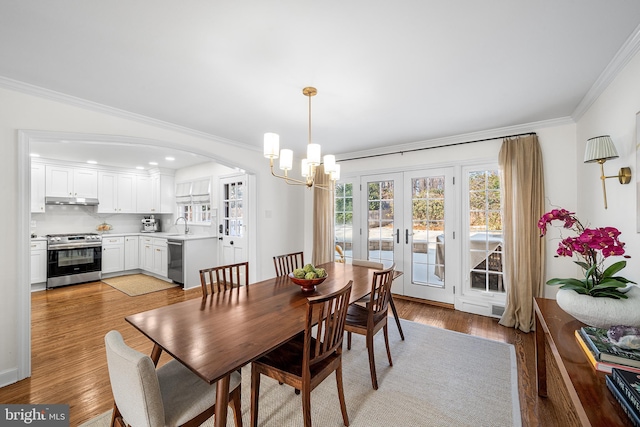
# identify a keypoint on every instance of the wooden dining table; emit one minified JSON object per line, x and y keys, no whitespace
{"x":216,"y":335}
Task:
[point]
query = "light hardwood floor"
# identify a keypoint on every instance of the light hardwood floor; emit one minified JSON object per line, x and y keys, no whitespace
{"x":69,"y":362}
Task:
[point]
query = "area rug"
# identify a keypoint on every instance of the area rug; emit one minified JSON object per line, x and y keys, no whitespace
{"x":138,"y":284}
{"x":438,"y":378}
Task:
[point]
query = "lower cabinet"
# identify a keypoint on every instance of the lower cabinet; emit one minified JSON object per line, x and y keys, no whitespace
{"x":131,"y":253}
{"x":153,"y":254}
{"x":113,"y":254}
{"x":160,"y":257}
{"x":38,"y":261}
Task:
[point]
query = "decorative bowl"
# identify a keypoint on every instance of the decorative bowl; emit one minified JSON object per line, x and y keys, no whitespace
{"x":307,"y":285}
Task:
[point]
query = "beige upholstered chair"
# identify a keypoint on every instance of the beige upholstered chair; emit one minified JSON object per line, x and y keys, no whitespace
{"x":307,"y":359}
{"x":285,"y":264}
{"x":365,"y":299}
{"x":172,"y":395}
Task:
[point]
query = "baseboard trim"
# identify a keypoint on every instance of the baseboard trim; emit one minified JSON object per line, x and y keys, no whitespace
{"x":424,"y":301}
{"x":8,"y":377}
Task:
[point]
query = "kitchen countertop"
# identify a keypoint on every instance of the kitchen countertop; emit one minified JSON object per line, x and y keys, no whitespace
{"x":163,"y":235}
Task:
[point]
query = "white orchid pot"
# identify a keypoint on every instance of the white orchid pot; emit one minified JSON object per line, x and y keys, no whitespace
{"x":602,"y":312}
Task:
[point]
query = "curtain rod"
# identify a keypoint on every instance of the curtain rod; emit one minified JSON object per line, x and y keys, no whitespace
{"x":436,"y":146}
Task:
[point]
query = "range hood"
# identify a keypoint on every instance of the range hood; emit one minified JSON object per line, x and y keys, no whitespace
{"x":82,"y":201}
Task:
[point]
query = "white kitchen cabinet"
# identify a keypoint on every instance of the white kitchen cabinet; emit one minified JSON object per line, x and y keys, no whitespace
{"x":160,"y":257}
{"x":116,"y":192}
{"x":66,"y":181}
{"x":113,"y":251}
{"x":162,"y":193}
{"x":146,"y":254}
{"x":131,"y":253}
{"x":154,"y":255}
{"x":38,"y":261}
{"x":144,"y":190}
{"x":37,"y":187}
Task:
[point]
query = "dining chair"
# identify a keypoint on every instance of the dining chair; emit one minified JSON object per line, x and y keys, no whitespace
{"x":370,"y":319}
{"x":224,"y":277}
{"x":171,"y":395}
{"x":285,"y":264}
{"x":311,"y":356}
{"x":365,"y":299}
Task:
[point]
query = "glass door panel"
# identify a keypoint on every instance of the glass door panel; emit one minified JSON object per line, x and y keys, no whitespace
{"x":381,"y":224}
{"x":426,"y":220}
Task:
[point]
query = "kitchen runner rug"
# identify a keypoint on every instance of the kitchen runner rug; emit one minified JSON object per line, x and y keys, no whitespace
{"x":438,"y":378}
{"x":138,"y":284}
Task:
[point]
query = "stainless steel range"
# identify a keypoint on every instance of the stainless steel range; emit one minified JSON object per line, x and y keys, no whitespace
{"x":73,"y":258}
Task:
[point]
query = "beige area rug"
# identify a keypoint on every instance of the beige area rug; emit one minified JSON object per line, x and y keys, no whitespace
{"x":138,"y":284}
{"x":438,"y":378}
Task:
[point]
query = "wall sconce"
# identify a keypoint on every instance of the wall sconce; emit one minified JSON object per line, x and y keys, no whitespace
{"x":600,"y":149}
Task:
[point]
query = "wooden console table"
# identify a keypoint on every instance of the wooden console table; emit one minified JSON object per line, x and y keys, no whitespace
{"x":594,"y":403}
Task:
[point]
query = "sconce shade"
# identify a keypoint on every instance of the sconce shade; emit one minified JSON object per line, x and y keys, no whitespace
{"x":600,"y":148}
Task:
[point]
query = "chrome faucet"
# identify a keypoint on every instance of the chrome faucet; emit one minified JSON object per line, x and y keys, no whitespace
{"x":186,"y":228}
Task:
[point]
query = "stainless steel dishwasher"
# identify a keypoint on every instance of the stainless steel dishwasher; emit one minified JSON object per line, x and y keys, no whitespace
{"x":175,"y":260}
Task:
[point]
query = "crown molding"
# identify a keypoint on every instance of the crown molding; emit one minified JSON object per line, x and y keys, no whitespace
{"x":628,"y":50}
{"x":489,"y":134}
{"x":41,"y":92}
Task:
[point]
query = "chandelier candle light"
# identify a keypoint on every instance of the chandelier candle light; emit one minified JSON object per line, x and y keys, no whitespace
{"x":308,"y":165}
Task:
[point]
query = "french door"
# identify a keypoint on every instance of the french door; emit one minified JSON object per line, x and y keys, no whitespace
{"x":410,"y":221}
{"x":232,"y":227}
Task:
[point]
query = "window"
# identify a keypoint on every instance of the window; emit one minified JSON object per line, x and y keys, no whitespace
{"x":194,"y":201}
{"x":344,"y":219}
{"x":485,"y":231}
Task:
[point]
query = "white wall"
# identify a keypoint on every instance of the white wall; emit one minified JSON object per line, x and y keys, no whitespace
{"x":614,"y":113}
{"x":279,"y":224}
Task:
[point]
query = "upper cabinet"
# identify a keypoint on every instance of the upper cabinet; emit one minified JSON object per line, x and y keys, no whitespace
{"x":116,"y":192}
{"x":163,"y":193}
{"x":37,"y":187}
{"x":155,"y":193}
{"x":65,"y":181}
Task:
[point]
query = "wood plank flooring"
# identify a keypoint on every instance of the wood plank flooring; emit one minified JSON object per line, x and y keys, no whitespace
{"x":69,"y":362}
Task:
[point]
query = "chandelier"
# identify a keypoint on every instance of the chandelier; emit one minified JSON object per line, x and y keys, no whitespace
{"x":309,"y":165}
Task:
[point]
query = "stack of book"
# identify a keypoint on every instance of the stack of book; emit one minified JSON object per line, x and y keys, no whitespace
{"x":625,"y":386}
{"x":603,"y":355}
{"x":623,"y":366}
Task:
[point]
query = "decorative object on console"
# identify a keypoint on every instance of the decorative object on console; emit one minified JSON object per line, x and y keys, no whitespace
{"x":310,"y":164}
{"x":606,"y":351}
{"x":600,"y":149}
{"x":592,"y":300}
{"x":308,"y":277}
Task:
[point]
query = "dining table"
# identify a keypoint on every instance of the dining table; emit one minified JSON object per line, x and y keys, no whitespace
{"x":215,"y":335}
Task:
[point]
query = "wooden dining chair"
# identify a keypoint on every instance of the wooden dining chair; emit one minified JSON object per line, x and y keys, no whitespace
{"x":172,"y":395}
{"x":307,"y":359}
{"x":285,"y":264}
{"x":365,"y":299}
{"x":224,"y":277}
{"x":370,"y":319}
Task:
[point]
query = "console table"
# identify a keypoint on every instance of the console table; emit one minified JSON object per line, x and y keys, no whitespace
{"x":594,"y":404}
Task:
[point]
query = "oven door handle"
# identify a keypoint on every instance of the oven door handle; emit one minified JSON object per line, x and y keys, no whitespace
{"x":60,"y":247}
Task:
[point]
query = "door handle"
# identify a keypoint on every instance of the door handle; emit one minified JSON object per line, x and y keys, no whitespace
{"x":231,"y":242}
{"x":406,"y":236}
{"x":397,"y":235}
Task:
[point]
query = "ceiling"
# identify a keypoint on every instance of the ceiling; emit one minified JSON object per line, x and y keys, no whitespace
{"x":387,"y":73}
